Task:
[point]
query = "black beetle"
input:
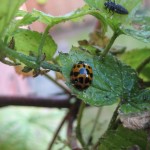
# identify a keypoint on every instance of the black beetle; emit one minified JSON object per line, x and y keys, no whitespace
{"x":112,"y":6}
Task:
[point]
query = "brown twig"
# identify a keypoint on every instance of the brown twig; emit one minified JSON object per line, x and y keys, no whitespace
{"x":70,"y":116}
{"x":78,"y":128}
{"x":58,"y":130}
{"x":70,"y":133}
{"x":71,"y":136}
{"x":53,"y":102}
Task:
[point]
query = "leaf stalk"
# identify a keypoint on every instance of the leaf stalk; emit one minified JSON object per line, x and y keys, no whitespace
{"x":106,"y":50}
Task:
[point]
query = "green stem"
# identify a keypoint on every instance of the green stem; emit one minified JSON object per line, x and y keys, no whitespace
{"x":42,"y":44}
{"x":28,"y":60}
{"x":78,"y":128}
{"x":143,"y":64}
{"x":54,"y":67}
{"x":112,"y":123}
{"x":57,"y":83}
{"x":106,"y":50}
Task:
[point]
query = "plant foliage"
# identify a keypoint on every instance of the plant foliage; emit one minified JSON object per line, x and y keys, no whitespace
{"x":122,"y":79}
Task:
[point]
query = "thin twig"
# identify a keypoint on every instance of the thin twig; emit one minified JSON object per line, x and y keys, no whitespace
{"x":71,"y":137}
{"x":63,"y":141}
{"x":143,"y":64}
{"x":78,"y":128}
{"x":58,"y":130}
{"x":53,"y":102}
{"x":70,"y":132}
{"x":112,"y":124}
{"x":58,"y":84}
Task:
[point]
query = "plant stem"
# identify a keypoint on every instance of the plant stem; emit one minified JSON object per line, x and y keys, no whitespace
{"x":54,"y":67}
{"x":58,"y":130}
{"x":51,"y":102}
{"x":112,"y":123}
{"x":42,"y":44}
{"x":29,"y":60}
{"x":58,"y":84}
{"x":143,"y":64}
{"x":78,"y":128}
{"x":113,"y":38}
{"x":72,"y":140}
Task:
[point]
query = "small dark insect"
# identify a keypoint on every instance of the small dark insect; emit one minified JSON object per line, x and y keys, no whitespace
{"x":112,"y":6}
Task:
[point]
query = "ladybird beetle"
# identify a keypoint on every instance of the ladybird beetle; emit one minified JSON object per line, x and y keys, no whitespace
{"x":81,"y":75}
{"x":112,"y":6}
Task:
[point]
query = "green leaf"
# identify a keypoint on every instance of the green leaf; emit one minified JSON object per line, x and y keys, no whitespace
{"x":134,"y":108}
{"x":112,"y":79}
{"x":135,"y":57}
{"x":135,"y":24}
{"x":139,"y":27}
{"x":124,"y":138}
{"x":27,"y":42}
{"x":123,"y":23}
{"x":8,"y":9}
{"x":27,"y":128}
{"x":95,"y":3}
{"x":115,"y":20}
{"x":143,"y":95}
{"x":138,"y":103}
{"x":26,"y":19}
{"x":52,"y":20}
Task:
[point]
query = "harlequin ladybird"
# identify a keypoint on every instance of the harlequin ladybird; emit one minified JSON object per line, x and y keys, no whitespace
{"x":112,"y":6}
{"x":81,"y":75}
